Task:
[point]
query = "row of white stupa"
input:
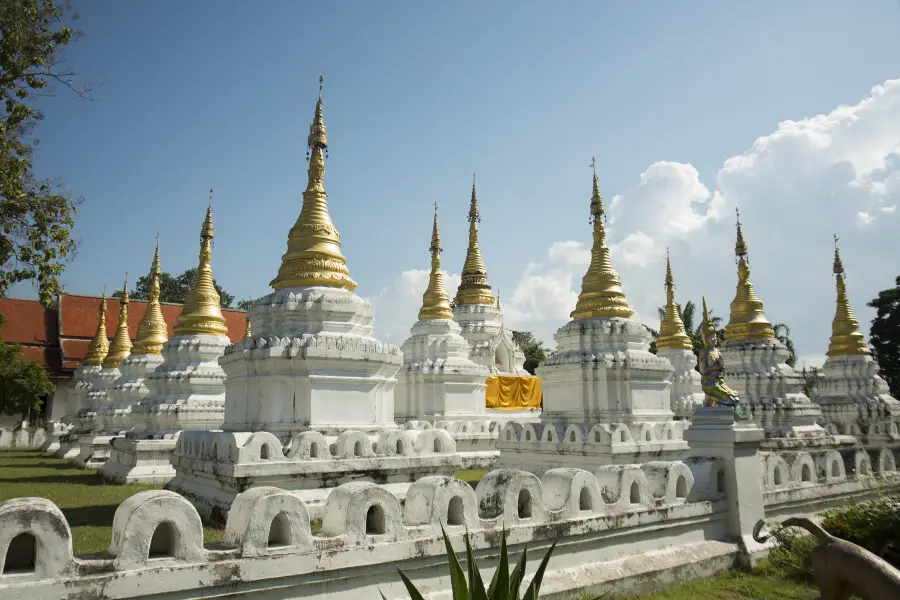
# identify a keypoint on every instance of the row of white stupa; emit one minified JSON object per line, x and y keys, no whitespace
{"x":310,"y":398}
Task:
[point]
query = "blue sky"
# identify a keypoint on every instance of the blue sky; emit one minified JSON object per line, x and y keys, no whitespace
{"x":418,"y":96}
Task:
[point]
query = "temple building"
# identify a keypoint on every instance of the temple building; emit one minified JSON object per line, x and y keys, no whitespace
{"x":94,"y":444}
{"x":855,"y":400}
{"x":188,"y":386}
{"x":756,"y":365}
{"x":439,"y":385}
{"x":674,"y":345}
{"x":478,"y":312}
{"x":309,"y":400}
{"x":606,"y":396}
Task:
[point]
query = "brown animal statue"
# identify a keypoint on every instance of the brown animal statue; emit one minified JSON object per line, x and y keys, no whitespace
{"x":842,"y":568}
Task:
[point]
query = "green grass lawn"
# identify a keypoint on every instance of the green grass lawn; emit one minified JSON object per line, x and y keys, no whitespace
{"x":738,"y":586}
{"x":88,"y":502}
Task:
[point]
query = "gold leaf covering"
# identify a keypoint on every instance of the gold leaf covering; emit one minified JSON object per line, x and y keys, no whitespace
{"x":120,"y":347}
{"x":201,"y":313}
{"x":99,"y":346}
{"x":313,"y":257}
{"x":747,"y":320}
{"x":601,"y":289}
{"x":247,"y":330}
{"x":152,"y":331}
{"x":474,"y":287}
{"x":672,"y":335}
{"x":846,"y":338}
{"x":435,"y":301}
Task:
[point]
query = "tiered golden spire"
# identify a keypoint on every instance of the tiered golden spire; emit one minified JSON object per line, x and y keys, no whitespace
{"x":601,"y":289}
{"x":120,"y":347}
{"x":99,"y":346}
{"x":748,"y":319}
{"x":201,"y":313}
{"x":152,"y":331}
{"x":846,"y":338}
{"x":435,"y":301}
{"x":313,"y":257}
{"x":474,"y":287}
{"x":672,"y":335}
{"x":248,"y":332}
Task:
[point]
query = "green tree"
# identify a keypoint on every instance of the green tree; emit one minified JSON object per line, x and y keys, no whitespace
{"x":532,"y":347}
{"x":811,"y":377}
{"x":884,"y":335}
{"x":783,"y":334}
{"x":23,"y":383}
{"x":245,"y":304}
{"x":173,"y":289}
{"x":36,"y":215}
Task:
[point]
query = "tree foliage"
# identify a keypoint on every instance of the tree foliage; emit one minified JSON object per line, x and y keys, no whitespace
{"x":534,"y":349}
{"x":23,"y":383}
{"x":173,"y":289}
{"x":245,"y":304}
{"x":36,"y":215}
{"x":884,"y":335}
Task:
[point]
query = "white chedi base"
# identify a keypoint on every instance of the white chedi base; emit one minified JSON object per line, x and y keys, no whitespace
{"x":439,"y":386}
{"x":93,"y":445}
{"x":855,"y":401}
{"x":102,"y":405}
{"x":758,"y":371}
{"x":81,"y":384}
{"x":686,"y":393}
{"x":603,"y":371}
{"x":187,"y":393}
{"x":490,"y":343}
{"x":438,"y":381}
{"x":606,"y":402}
{"x":312,"y":363}
{"x":130,"y":389}
{"x":187,"y":389}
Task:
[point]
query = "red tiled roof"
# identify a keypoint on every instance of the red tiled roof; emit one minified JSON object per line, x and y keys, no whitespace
{"x":58,"y":337}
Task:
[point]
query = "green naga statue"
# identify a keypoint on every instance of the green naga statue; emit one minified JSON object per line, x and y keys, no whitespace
{"x":712,"y":368}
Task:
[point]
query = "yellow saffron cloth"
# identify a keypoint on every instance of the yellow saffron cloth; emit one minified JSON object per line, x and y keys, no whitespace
{"x":513,"y":393}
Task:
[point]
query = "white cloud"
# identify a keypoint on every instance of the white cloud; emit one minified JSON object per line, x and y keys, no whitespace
{"x":397,"y":305}
{"x":831,"y":173}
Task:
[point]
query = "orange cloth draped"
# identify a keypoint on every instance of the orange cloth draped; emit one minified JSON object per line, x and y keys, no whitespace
{"x":513,"y":393}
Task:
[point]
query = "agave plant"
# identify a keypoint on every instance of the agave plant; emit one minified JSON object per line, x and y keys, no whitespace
{"x":504,"y":586}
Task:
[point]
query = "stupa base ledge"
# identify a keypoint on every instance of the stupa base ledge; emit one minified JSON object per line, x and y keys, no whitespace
{"x":93,"y":450}
{"x":144,"y":461}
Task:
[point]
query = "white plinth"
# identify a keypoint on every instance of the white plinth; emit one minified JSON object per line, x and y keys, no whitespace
{"x":686,"y":392}
{"x":93,"y":451}
{"x":311,"y":363}
{"x":438,"y":381}
{"x":757,"y":370}
{"x":101,"y":399}
{"x":80,"y":387}
{"x":855,"y":401}
{"x":490,"y":343}
{"x":140,"y":461}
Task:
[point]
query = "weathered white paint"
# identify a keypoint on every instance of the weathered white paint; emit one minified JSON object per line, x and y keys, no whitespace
{"x":686,"y":394}
{"x":490,"y":342}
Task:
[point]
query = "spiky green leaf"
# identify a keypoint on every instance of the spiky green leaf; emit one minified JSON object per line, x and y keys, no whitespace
{"x":515,"y":580}
{"x":457,"y":577}
{"x":410,"y":588}
{"x":534,"y":588}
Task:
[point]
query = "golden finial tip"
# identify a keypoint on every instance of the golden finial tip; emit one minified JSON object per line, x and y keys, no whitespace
{"x":321,"y":84}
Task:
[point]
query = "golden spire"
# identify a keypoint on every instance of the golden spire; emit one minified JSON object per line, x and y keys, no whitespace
{"x":747,"y":320}
{"x":201,"y":313}
{"x":99,"y":346}
{"x":435,"y":301}
{"x":473,"y":286}
{"x":672,"y":335}
{"x":121,"y":344}
{"x":152,"y":331}
{"x":601,"y":289}
{"x":247,"y":330}
{"x":846,"y":339}
{"x":313,"y":257}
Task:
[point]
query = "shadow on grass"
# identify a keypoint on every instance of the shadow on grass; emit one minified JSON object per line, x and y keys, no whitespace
{"x":95,"y":516}
{"x":89,"y":479}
